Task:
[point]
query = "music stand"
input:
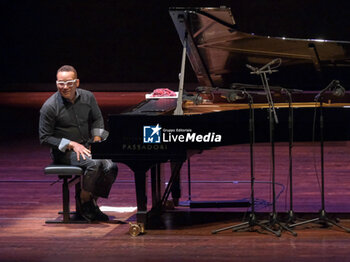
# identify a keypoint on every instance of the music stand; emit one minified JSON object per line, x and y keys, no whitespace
{"x":252,"y":217}
{"x":322,"y":218}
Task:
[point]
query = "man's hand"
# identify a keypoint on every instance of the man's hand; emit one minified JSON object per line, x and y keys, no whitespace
{"x":79,"y":149}
{"x":97,"y":139}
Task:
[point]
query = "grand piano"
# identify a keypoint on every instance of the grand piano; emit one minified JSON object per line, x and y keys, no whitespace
{"x":219,"y":113}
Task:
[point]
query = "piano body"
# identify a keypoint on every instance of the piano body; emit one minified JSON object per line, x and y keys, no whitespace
{"x":150,"y":133}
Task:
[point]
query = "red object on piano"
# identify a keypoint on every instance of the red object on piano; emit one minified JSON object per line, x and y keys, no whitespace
{"x":161,"y":92}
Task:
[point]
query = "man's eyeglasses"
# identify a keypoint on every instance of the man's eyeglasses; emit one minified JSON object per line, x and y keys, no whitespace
{"x":69,"y":83}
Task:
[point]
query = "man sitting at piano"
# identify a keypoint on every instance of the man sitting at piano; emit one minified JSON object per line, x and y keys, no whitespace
{"x":69,"y":121}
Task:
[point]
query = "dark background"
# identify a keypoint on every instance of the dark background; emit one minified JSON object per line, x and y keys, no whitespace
{"x":135,"y":41}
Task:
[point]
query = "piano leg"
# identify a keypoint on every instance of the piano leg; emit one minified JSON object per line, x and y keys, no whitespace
{"x":158,"y":196}
{"x":157,"y":178}
{"x":176,"y":187}
{"x":141,"y":197}
{"x":158,"y":185}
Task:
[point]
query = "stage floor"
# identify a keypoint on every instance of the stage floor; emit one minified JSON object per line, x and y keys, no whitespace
{"x":27,"y":199}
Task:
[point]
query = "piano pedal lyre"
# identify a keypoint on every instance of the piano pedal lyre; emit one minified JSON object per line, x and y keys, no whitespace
{"x":136,"y":229}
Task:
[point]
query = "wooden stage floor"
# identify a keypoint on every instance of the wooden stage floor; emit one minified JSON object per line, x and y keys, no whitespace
{"x":27,"y":199}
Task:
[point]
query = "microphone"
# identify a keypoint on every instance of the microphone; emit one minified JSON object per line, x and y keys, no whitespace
{"x":251,"y":67}
{"x":335,"y":87}
{"x":279,"y":60}
{"x":256,"y":70}
{"x":235,"y":95}
{"x":196,"y":99}
{"x":339,"y":90}
{"x":289,"y":90}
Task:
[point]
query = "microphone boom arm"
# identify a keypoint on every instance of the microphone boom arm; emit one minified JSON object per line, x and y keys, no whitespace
{"x":262,"y":73}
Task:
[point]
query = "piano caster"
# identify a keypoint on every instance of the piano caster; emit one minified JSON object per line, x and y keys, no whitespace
{"x":136,"y":229}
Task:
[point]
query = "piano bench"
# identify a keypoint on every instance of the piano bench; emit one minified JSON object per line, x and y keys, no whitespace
{"x":70,"y":175}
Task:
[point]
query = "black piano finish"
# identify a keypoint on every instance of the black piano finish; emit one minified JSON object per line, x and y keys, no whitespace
{"x":125,"y":144}
{"x":232,"y":125}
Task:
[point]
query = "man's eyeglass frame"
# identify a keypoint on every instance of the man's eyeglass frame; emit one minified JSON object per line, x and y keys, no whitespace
{"x":68,"y":83}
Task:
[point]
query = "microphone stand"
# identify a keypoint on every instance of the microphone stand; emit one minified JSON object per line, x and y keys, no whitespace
{"x":322,"y":218}
{"x":273,"y":221}
{"x":291,"y":215}
{"x":252,"y":217}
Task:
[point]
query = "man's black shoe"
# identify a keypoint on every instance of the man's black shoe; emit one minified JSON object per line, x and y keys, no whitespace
{"x":100,"y":216}
{"x":87,"y":211}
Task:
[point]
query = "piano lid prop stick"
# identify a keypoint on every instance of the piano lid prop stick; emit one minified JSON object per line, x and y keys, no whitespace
{"x":178,"y":110}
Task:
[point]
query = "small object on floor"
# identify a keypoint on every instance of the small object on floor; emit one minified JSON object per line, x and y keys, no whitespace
{"x":136,"y":229}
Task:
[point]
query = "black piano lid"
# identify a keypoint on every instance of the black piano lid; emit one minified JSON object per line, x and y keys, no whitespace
{"x":219,"y":53}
